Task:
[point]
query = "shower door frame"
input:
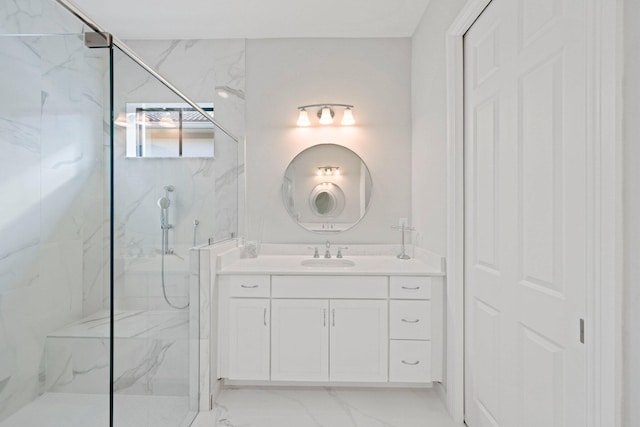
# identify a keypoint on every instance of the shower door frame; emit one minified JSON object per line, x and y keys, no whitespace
{"x":101,"y":39}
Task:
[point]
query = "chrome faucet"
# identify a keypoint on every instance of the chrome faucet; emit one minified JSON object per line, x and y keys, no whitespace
{"x":315,"y":251}
{"x":340,"y":248}
{"x":327,"y":253}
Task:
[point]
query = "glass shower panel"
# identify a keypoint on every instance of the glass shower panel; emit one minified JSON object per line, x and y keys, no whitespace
{"x":163,"y":206}
{"x":54,"y":257}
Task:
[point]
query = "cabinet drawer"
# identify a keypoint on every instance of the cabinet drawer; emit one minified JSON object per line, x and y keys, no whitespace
{"x":410,"y":361}
{"x":410,"y":287}
{"x":354,"y":287}
{"x":410,"y":320}
{"x":258,"y":286}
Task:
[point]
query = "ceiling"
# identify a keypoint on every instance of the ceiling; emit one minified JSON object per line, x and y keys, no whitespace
{"x":215,"y":19}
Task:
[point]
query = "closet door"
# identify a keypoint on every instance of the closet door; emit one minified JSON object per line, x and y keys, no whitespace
{"x":525,"y":214}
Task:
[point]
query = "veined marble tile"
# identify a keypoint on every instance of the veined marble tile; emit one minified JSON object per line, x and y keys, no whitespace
{"x":82,"y":410}
{"x":153,"y":354}
{"x":321,"y":407}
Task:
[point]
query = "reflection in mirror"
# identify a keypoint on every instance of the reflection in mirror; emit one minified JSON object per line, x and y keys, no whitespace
{"x":327,"y":198}
{"x":324,"y":203}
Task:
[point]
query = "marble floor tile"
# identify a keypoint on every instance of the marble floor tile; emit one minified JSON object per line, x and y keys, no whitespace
{"x":326,"y":407}
{"x":92,"y":410}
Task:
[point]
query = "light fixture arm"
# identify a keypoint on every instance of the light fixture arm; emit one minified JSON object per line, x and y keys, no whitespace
{"x":302,"y":107}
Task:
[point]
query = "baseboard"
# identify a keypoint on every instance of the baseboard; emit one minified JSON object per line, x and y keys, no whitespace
{"x":313,"y":384}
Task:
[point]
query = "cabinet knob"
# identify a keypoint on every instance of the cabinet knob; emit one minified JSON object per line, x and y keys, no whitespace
{"x":411,"y":363}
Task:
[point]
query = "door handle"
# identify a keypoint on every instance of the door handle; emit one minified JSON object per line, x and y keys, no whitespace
{"x":410,"y":321}
{"x":333,"y":315}
{"x":324,"y":317}
{"x":265,"y":317}
{"x":411,"y":363}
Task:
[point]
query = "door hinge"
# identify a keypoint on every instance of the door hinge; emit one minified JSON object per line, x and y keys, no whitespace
{"x":582,"y":331}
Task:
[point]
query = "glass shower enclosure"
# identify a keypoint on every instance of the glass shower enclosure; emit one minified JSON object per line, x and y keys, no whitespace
{"x":107,"y":183}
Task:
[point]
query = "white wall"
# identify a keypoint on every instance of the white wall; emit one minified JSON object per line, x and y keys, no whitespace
{"x":372,"y":74}
{"x":429,"y":139}
{"x":631,"y":298}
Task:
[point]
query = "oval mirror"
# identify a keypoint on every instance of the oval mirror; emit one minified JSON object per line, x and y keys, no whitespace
{"x":327,"y":188}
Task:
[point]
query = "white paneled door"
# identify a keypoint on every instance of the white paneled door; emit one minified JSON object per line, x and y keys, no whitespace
{"x":525,"y":214}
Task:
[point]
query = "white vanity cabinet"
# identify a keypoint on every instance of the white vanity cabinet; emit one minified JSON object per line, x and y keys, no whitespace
{"x":300,"y":340}
{"x":329,"y":340}
{"x":249,"y":330}
{"x":411,"y":329}
{"x":358,"y":340}
{"x":329,"y":328}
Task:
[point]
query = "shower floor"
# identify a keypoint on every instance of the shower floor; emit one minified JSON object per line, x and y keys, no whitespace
{"x":92,"y":410}
{"x":151,"y":370}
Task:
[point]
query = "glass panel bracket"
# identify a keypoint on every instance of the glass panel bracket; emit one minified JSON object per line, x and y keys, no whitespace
{"x":97,"y":40}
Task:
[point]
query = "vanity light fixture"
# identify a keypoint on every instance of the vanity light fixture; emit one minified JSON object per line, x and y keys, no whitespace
{"x":303,"y":118}
{"x":325,"y":114}
{"x":328,"y":170}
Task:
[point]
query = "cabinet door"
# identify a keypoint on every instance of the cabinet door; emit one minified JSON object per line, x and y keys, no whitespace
{"x":249,"y":339}
{"x":300,"y":340}
{"x":359,"y":340}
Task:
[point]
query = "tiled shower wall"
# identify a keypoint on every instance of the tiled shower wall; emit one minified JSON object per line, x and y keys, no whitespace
{"x":207,"y":190}
{"x":51,"y":189}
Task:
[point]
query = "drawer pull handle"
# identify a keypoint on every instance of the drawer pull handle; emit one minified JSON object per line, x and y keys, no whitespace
{"x":409,"y":288}
{"x":410,"y":321}
{"x":411,"y":363}
{"x":249,"y":286}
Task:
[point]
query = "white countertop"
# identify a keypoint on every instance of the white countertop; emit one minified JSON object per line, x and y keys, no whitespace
{"x":364,"y":266}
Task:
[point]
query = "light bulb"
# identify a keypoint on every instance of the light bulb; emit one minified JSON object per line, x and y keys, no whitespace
{"x":347,"y":117}
{"x":303,"y":118}
{"x":326,"y":116}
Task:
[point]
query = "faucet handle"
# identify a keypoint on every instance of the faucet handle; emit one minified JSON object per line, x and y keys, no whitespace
{"x":340,"y":248}
{"x":316,"y":254}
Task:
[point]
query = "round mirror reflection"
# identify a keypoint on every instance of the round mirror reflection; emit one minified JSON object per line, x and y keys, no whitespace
{"x":327,"y":188}
{"x":327,"y":200}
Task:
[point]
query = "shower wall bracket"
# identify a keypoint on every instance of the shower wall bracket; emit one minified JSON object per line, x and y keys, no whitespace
{"x":97,"y":40}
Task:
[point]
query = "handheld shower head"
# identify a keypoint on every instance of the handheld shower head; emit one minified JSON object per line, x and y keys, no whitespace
{"x":164,"y":203}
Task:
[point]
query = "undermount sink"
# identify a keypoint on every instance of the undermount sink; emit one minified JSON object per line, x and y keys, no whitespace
{"x":327,"y":262}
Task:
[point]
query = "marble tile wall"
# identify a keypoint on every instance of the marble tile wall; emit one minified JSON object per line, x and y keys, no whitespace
{"x":206,"y":190}
{"x":51,"y":186}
